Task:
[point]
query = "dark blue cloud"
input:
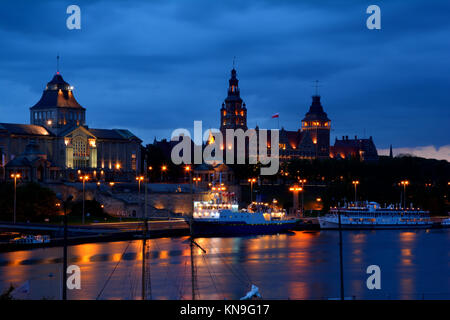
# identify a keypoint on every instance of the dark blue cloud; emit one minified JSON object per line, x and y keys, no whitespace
{"x":153,"y":66}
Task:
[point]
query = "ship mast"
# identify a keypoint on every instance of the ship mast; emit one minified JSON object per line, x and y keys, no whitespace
{"x":341,"y":265}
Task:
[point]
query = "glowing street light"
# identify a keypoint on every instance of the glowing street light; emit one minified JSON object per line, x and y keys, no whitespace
{"x":139,"y":179}
{"x":295,"y":190}
{"x":355,"y":183}
{"x":196,"y":180}
{"x":404,"y":183}
{"x":252,"y":181}
{"x":302,"y":181}
{"x":84,"y":179}
{"x":15,"y":176}
{"x":163,"y":169}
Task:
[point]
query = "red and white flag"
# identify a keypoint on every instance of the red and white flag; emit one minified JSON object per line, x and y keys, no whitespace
{"x":276,"y":115}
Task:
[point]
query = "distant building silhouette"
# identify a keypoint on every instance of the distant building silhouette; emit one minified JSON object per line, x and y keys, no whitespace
{"x":362,"y":149}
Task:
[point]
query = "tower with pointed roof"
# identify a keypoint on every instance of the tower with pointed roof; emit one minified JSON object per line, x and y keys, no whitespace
{"x":57,"y":107}
{"x":317,"y":124}
{"x":233,"y":114}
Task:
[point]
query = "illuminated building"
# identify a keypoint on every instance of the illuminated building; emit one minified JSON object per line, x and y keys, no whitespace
{"x":58,"y":131}
{"x":361,"y":149}
{"x":233,"y":114}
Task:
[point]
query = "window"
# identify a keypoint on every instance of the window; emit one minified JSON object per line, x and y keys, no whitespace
{"x":133,"y":161}
{"x":79,"y":148}
{"x":80,"y":153}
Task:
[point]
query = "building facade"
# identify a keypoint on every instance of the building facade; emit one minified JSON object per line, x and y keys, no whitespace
{"x":361,"y":149}
{"x":57,"y":130}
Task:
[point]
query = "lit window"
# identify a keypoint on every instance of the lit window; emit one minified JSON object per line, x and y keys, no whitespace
{"x":92,"y":143}
{"x":79,"y":149}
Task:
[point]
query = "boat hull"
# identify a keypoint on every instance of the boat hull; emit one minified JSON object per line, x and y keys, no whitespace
{"x":209,"y":228}
{"x":325,"y":224}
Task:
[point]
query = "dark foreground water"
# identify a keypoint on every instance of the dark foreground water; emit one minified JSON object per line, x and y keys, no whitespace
{"x":415,"y":264}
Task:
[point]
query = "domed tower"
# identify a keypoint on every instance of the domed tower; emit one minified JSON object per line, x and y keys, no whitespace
{"x":317,"y":124}
{"x":233,"y":114}
{"x":57,"y":107}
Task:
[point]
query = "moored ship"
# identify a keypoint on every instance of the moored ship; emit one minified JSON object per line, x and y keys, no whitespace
{"x":224,"y":219}
{"x":370,"y":215}
{"x":219,"y":217}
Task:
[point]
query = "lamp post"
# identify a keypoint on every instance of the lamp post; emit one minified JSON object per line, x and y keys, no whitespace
{"x":251,"y":180}
{"x":84,"y":179}
{"x":150,"y":169}
{"x":303,"y":181}
{"x":355,"y":183}
{"x":163,"y":169}
{"x":295,"y":190}
{"x":188,"y":170}
{"x":139,"y":179}
{"x":404,"y":183}
{"x":196,"y":180}
{"x":15,"y":176}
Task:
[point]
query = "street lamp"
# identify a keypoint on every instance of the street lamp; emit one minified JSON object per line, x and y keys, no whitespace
{"x":355,"y":183}
{"x":139,"y":179}
{"x":15,"y":176}
{"x":251,"y":180}
{"x":150,"y":169}
{"x":295,"y":190}
{"x":163,"y":169}
{"x":303,"y":181}
{"x":196,"y":180}
{"x":188,"y":170}
{"x":84,"y":179}
{"x":404,"y":183}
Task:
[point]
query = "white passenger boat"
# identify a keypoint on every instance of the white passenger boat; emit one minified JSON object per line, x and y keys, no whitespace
{"x":370,"y":215}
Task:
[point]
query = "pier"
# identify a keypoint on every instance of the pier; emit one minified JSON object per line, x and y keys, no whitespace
{"x":91,"y":233}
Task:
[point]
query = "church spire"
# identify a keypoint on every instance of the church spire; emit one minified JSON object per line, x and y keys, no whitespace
{"x":233,"y":112}
{"x":57,"y":64}
{"x":316,"y":87}
{"x":233,"y":88}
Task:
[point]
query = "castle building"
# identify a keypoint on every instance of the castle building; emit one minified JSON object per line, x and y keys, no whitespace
{"x":317,"y":124}
{"x":309,"y":142}
{"x":361,"y":149}
{"x":58,"y":134}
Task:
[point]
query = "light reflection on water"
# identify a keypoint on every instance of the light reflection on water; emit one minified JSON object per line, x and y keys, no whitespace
{"x":301,"y":265}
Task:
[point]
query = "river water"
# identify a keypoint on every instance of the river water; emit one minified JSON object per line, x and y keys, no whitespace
{"x":415,"y":264}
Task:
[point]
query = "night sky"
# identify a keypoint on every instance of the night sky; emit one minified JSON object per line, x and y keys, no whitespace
{"x":154,"y":66}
